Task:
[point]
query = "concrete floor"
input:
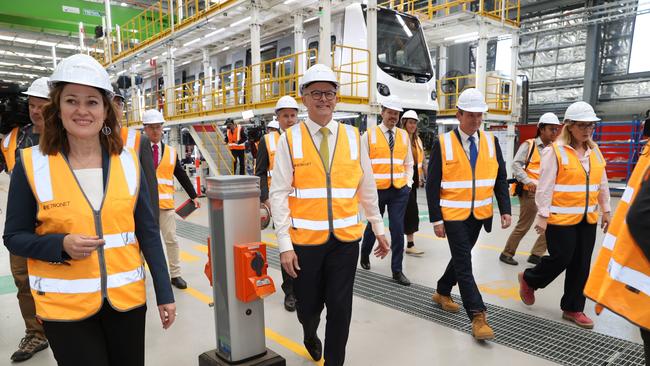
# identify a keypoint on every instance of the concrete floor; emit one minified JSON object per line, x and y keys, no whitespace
{"x":412,"y":341}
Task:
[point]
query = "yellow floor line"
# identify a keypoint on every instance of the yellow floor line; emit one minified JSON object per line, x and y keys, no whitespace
{"x":201,"y":248}
{"x":285,"y":342}
{"x":187,"y":257}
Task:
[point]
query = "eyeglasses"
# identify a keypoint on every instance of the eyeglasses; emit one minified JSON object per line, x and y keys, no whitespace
{"x":586,"y":126}
{"x":553,"y":129}
{"x":318,"y":94}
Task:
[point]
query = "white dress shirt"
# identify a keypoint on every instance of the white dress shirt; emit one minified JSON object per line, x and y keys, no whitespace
{"x":464,"y":138}
{"x":281,"y":185}
{"x":408,"y":161}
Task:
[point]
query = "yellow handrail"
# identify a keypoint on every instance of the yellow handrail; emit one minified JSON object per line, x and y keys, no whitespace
{"x":508,"y":11}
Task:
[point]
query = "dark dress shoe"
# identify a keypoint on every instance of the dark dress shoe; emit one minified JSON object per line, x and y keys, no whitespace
{"x":315,"y":348}
{"x":290,"y":302}
{"x":508,"y":260}
{"x":401,"y":279}
{"x":365,"y":262}
{"x":534,"y":259}
{"x":179,"y":282}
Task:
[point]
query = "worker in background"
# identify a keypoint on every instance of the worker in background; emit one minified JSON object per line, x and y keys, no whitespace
{"x":140,"y":143}
{"x":167,"y":165}
{"x":19,"y":138}
{"x":572,"y":186}
{"x":466,"y":169}
{"x":321,"y":176}
{"x":391,"y":157}
{"x":525,"y":167}
{"x":78,"y":212}
{"x":286,"y":112}
{"x":236,"y":140}
{"x":409,"y":123}
{"x":620,"y":278}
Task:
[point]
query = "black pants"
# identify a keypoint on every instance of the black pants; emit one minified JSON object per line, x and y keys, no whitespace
{"x":412,"y":214}
{"x":326,"y":278}
{"x":569,"y":248}
{"x":462,"y":236}
{"x":238,"y":155}
{"x":287,"y":282}
{"x":645,"y":335}
{"x":108,"y":338}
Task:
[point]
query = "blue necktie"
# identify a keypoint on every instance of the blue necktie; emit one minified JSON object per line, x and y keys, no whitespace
{"x":473,"y":152}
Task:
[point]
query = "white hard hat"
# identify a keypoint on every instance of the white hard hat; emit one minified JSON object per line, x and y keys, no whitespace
{"x":471,"y":100}
{"x":411,"y":114}
{"x":82,"y":69}
{"x":389,"y":104}
{"x":318,"y":72}
{"x":39,"y":88}
{"x":152,"y":116}
{"x":274,"y":124}
{"x":581,"y":111}
{"x":286,"y":101}
{"x":548,"y":119}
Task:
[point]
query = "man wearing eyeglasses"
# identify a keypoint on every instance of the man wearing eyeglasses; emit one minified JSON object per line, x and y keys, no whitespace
{"x":321,"y":175}
{"x":526,"y":167}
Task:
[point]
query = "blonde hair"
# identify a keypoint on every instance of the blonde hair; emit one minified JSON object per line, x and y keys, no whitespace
{"x":567,"y":139}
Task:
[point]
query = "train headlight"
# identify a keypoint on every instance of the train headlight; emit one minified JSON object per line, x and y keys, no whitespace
{"x":434,"y":95}
{"x":383,"y":89}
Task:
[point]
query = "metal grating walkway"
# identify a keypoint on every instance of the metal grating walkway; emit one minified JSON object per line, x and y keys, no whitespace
{"x":555,"y":341}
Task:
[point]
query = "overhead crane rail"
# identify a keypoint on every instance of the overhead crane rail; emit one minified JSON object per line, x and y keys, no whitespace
{"x":506,"y":11}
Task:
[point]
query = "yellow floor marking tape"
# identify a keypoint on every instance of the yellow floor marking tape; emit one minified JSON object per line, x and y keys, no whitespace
{"x":187,"y":257}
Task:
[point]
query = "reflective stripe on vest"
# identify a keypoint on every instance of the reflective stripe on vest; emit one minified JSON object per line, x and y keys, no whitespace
{"x":420,"y":158}
{"x":533,"y":168}
{"x":576,"y":191}
{"x":165,"y":175}
{"x":9,"y":145}
{"x":271,"y":139}
{"x":131,"y":138}
{"x":115,"y":271}
{"x":234,"y":137}
{"x":323,"y":203}
{"x":387,"y":165}
{"x":464,"y":191}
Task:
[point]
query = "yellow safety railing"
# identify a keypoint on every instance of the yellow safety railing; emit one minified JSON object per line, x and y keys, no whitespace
{"x":154,"y":23}
{"x":498,"y":94}
{"x":352,"y":70}
{"x":508,"y":11}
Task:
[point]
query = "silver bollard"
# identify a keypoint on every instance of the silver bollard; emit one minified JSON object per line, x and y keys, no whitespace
{"x":234,"y":215}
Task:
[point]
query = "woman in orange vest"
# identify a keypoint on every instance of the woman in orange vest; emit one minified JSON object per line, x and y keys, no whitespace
{"x":572,"y":185}
{"x":78,"y":211}
{"x":409,"y":122}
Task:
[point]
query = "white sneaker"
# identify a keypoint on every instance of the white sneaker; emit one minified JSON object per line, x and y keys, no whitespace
{"x":413,"y":251}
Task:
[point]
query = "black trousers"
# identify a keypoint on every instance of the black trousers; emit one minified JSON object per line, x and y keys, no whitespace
{"x":108,"y":338}
{"x":412,"y":214}
{"x":462,"y":236}
{"x":238,"y":155}
{"x":326,"y":278}
{"x":569,"y":248}
{"x":645,"y":335}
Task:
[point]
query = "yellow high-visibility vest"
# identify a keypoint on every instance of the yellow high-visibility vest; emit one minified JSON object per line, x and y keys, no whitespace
{"x":8,"y":147}
{"x":165,"y":175}
{"x":271,"y":139}
{"x":534,"y":164}
{"x":131,"y":138}
{"x":388,"y":166}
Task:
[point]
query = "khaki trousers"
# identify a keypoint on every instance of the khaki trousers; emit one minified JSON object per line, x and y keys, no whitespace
{"x":527,"y":214}
{"x":168,"y":230}
{"x":25,"y":299}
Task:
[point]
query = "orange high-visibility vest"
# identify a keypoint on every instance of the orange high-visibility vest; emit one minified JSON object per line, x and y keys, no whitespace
{"x":75,"y":290}
{"x":387,"y":165}
{"x":324,"y":203}
{"x":131,"y":139}
{"x":165,"y":175}
{"x":464,"y":191}
{"x":271,"y":139}
{"x":233,"y":139}
{"x":575,"y":193}
{"x":8,"y":147}
{"x":620,"y":278}
{"x":419,"y":148}
{"x":534,"y":164}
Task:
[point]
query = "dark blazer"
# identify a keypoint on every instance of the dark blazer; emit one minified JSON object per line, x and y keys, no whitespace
{"x":638,"y":218}
{"x":434,"y":179}
{"x":180,"y":174}
{"x":146,"y":161}
{"x":261,"y":169}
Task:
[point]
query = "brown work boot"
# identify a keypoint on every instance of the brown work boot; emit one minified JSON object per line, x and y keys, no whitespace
{"x":480,"y":328}
{"x":28,"y":346}
{"x":446,"y":303}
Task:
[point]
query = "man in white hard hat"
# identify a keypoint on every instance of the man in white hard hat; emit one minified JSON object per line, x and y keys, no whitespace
{"x":391,"y":157}
{"x":20,"y":138}
{"x":167,"y":165}
{"x":286,"y":113}
{"x":321,"y":177}
{"x":526,"y":167}
{"x":466,"y":170}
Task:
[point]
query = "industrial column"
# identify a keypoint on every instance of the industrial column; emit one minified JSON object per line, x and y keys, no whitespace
{"x":481,"y":59}
{"x":299,"y":44}
{"x":325,"y":31}
{"x":207,"y":81}
{"x":592,"y":61}
{"x":136,"y":114}
{"x":238,"y":264}
{"x":372,"y":64}
{"x":255,"y":51}
{"x":509,"y":154}
{"x":169,"y":80}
